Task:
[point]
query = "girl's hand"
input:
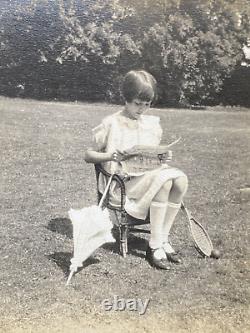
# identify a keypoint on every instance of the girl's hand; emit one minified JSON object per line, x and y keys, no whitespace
{"x":123,"y":155}
{"x":164,"y":158}
{"x":119,"y":156}
{"x":116,"y":157}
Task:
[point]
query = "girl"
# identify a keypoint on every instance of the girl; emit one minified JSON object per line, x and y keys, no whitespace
{"x":158,"y":192}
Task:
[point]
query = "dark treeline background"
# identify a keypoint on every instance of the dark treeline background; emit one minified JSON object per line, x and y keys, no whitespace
{"x":80,"y":49}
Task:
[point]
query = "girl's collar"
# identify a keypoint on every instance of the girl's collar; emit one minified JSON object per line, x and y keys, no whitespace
{"x":132,"y":123}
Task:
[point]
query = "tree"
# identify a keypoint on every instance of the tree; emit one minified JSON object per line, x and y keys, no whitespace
{"x":82,"y":48}
{"x":194,"y":50}
{"x":97,"y":39}
{"x":191,"y":46}
{"x":30,"y":37}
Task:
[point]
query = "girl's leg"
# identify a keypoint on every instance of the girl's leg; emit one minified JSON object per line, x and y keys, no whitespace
{"x":178,"y":189}
{"x":157,"y":217}
{"x":177,"y":192}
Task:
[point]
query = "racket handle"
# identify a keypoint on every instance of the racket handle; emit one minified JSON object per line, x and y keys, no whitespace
{"x":183,"y":207}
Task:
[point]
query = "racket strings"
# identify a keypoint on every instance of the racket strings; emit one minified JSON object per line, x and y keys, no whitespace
{"x":201,"y":237}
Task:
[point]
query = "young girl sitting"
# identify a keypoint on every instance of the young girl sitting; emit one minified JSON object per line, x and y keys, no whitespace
{"x":158,"y":192}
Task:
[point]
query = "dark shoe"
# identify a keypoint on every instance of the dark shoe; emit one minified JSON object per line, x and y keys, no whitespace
{"x":157,"y":263}
{"x":174,"y":257}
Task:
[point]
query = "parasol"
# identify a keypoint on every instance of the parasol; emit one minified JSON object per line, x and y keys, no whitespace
{"x":91,"y":229}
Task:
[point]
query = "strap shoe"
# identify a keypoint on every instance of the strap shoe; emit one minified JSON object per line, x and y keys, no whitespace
{"x":174,"y":257}
{"x":154,"y":262}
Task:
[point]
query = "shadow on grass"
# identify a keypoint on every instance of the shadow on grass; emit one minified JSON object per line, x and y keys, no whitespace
{"x":62,"y":259}
{"x":136,"y":245}
{"x":62,"y":226}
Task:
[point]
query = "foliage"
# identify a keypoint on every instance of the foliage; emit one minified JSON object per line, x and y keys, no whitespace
{"x":30,"y":36}
{"x":80,"y":49}
{"x":95,"y":38}
{"x":191,"y":55}
{"x":236,"y":88}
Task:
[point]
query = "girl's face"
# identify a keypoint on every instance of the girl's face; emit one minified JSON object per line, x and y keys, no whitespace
{"x":134,"y":109}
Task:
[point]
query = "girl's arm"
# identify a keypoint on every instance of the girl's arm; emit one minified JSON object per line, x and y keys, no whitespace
{"x":92,"y":156}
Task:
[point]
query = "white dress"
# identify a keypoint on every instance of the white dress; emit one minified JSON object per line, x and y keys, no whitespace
{"x":119,"y":132}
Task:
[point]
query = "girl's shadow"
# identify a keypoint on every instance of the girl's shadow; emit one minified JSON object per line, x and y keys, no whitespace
{"x":136,"y":245}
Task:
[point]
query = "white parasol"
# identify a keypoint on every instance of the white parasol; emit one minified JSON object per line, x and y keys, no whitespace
{"x":91,"y":229}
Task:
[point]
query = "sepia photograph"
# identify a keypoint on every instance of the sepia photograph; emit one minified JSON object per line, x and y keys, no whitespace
{"x":125,"y":166}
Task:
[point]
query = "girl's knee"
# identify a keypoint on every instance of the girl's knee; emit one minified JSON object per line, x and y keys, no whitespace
{"x":162,"y":195}
{"x":167,"y":186}
{"x":180,"y":185}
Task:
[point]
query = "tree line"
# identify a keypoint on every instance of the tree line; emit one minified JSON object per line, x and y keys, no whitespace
{"x":80,"y":49}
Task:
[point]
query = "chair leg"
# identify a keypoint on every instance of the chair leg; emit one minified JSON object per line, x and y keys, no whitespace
{"x":124,"y":240}
{"x":122,"y":224}
{"x":124,"y":234}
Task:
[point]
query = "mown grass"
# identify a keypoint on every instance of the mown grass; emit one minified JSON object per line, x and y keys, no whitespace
{"x":43,"y":174}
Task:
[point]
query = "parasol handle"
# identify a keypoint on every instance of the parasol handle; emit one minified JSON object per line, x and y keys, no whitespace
{"x":70,"y":276}
{"x":105,"y":191}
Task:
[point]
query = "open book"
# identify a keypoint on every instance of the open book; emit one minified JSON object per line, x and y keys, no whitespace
{"x":143,"y":158}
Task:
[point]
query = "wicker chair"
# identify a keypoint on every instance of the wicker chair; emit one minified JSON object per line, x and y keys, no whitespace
{"x":125,"y":222}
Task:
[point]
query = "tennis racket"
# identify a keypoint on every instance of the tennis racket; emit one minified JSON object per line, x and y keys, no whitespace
{"x":200,"y":236}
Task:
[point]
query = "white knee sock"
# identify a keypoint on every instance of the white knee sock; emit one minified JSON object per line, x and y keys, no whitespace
{"x":171,"y":212}
{"x":157,"y":215}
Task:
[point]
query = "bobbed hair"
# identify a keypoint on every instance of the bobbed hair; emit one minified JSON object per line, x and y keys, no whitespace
{"x":139,"y":84}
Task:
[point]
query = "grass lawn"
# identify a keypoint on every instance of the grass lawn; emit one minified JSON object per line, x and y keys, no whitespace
{"x":43,"y":175}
